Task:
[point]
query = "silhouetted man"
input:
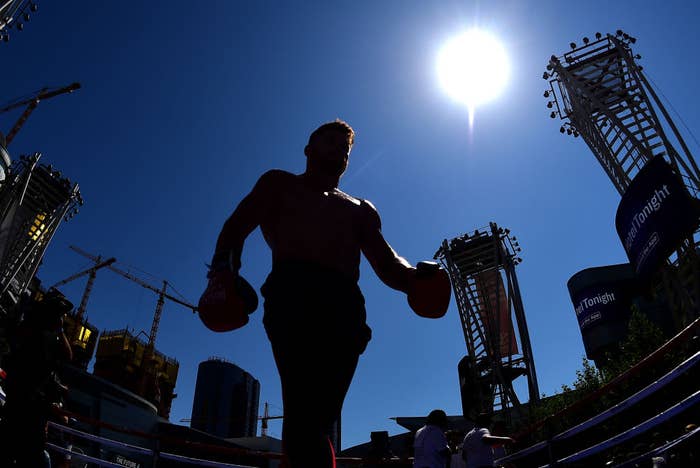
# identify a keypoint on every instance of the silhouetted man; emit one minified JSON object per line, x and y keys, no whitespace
{"x":314,"y":310}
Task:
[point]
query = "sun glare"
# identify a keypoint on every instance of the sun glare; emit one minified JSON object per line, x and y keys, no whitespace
{"x":473,"y":68}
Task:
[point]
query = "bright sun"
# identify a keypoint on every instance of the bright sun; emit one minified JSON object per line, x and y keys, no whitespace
{"x":473,"y":68}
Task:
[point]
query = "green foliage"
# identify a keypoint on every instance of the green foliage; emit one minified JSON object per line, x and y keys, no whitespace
{"x":589,"y":378}
{"x":643,"y":338}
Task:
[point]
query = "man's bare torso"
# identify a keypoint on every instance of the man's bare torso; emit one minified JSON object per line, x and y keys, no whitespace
{"x":302,"y":223}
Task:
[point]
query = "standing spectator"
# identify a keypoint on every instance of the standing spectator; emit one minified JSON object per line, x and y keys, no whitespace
{"x":478,"y":444}
{"x":33,"y":387}
{"x":430,"y":444}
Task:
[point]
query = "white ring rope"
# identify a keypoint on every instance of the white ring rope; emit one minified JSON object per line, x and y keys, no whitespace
{"x":601,"y":417}
{"x":130,"y":448}
{"x":102,"y":440}
{"x":667,"y":446}
{"x":82,"y":456}
{"x":634,"y":431}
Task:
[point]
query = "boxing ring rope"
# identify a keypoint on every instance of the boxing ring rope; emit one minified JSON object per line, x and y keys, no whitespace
{"x":659,"y":450}
{"x":682,"y":337}
{"x":610,"y":412}
{"x":171,"y":456}
{"x":128,"y":448}
{"x":82,"y":456}
{"x":632,"y":432}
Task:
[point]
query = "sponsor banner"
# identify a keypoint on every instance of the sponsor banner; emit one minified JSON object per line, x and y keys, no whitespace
{"x":655,"y":214}
{"x":600,"y":303}
{"x":494,"y":312}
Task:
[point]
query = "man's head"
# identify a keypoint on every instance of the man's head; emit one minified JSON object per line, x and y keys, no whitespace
{"x":437,"y":418}
{"x":328,"y":148}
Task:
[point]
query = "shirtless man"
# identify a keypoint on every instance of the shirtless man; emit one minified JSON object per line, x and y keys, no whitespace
{"x":314,"y":310}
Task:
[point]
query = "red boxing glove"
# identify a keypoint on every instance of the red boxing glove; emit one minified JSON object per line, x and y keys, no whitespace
{"x":430,"y":291}
{"x":227,"y":301}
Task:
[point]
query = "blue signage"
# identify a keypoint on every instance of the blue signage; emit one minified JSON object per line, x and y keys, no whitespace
{"x":655,"y":214}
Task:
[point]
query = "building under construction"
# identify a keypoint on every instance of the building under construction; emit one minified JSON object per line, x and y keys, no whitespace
{"x":128,"y":361}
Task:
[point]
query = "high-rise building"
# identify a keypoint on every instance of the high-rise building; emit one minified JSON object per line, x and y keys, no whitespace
{"x":226,"y":400}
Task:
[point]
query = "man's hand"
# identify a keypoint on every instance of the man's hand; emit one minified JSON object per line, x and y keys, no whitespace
{"x":225,"y":260}
{"x":430,"y":291}
{"x":226,"y":302}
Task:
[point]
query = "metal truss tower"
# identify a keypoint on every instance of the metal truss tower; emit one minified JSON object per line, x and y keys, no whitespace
{"x":15,"y":13}
{"x":34,"y":199}
{"x":481,"y":266}
{"x":601,"y":94}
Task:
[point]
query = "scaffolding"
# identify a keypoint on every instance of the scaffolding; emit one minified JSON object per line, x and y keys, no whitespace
{"x":34,"y":199}
{"x":127,"y":360}
{"x":481,"y":266}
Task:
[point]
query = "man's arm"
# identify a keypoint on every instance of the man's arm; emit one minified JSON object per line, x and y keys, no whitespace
{"x":394,"y":271}
{"x":496,"y":440}
{"x":244,"y":219}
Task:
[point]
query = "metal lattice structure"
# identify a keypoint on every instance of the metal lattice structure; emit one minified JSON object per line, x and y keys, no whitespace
{"x":33,"y":201}
{"x":601,"y":94}
{"x":15,"y":13}
{"x":481,"y":266}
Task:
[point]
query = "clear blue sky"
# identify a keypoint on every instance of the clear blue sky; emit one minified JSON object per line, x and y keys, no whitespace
{"x":185,"y":104}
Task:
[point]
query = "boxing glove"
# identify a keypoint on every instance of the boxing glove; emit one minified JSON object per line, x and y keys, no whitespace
{"x":226,"y":302}
{"x":430,"y":291}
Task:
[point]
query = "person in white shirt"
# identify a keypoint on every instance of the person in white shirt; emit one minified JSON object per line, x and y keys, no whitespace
{"x":430,"y":447}
{"x":477,"y":448}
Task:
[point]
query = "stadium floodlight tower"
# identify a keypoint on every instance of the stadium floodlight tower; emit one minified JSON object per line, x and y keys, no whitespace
{"x":15,"y":13}
{"x":34,"y":199}
{"x":601,"y":94}
{"x":481,"y":266}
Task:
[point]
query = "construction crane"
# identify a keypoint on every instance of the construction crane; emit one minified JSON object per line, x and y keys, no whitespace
{"x":264,"y":418}
{"x":162,"y":294}
{"x":88,"y":287}
{"x":32,"y":103}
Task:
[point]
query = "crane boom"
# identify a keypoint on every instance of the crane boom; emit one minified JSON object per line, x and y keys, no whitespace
{"x":107,"y":262}
{"x":137,"y":280}
{"x":32,"y":103}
